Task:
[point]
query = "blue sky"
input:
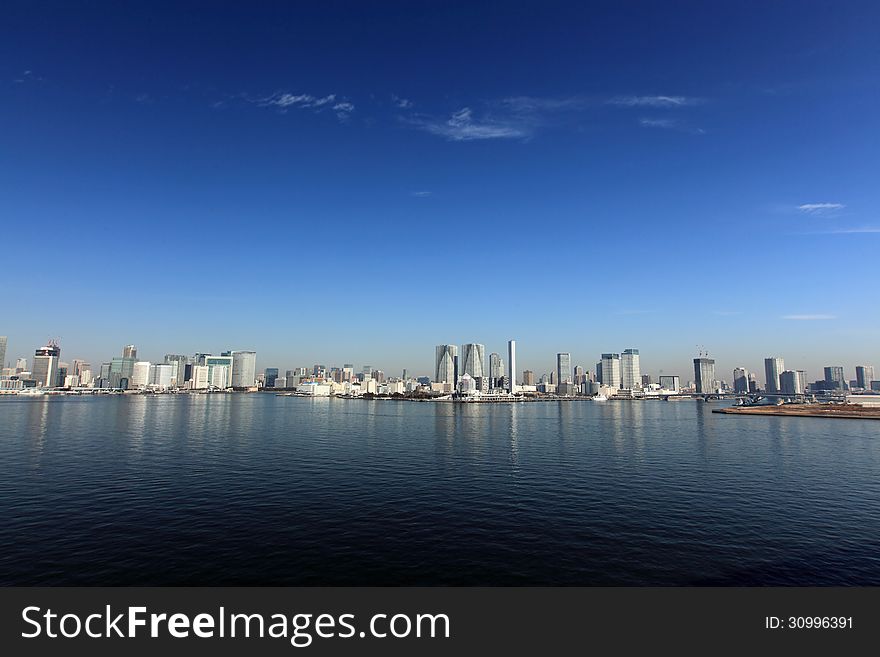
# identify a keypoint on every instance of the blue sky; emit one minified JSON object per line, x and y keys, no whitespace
{"x":357,"y":182}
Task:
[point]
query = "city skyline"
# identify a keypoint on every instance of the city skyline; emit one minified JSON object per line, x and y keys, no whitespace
{"x":622,"y":369}
{"x":320,"y":191}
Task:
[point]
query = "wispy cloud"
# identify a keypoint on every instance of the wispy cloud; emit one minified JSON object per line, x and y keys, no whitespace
{"x":820,"y":208}
{"x":670,"y":124}
{"x":654,"y":101}
{"x":463,"y":126}
{"x":420,"y":194}
{"x":863,"y":230}
{"x":284,"y":101}
{"x":808,"y":318}
{"x":27,"y":76}
{"x":402,"y":103}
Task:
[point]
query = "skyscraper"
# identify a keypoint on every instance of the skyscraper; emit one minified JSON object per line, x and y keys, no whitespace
{"x":178,"y":368}
{"x":474,"y":359}
{"x":630,"y":371}
{"x":563,"y":368}
{"x":2,"y":351}
{"x":270,"y":376}
{"x":496,"y":368}
{"x":609,"y":370}
{"x":129,"y":351}
{"x":773,"y":368}
{"x":704,"y":374}
{"x":864,"y":375}
{"x":244,"y":368}
{"x":444,"y":363}
{"x":835,"y":378}
{"x":45,"y":369}
{"x":511,"y":362}
{"x":792,"y":382}
{"x":528,"y":378}
{"x":740,"y":380}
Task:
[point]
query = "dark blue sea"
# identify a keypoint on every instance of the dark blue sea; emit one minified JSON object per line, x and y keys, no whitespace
{"x":263,"y":490}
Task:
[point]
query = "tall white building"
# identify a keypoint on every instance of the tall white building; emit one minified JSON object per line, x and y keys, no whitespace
{"x":773,"y":368}
{"x":511,"y":361}
{"x":162,"y":375}
{"x":444,"y":362}
{"x":140,"y":375}
{"x":563,"y":368}
{"x":609,"y":369}
{"x":220,"y":376}
{"x":630,"y":370}
{"x":244,"y":369}
{"x":473,"y":357}
{"x":200,"y":378}
{"x":45,"y":369}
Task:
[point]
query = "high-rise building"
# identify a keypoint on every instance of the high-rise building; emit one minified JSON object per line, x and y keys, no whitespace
{"x":473,"y":359}
{"x":528,"y":378}
{"x":704,"y":374}
{"x":140,"y":376}
{"x":792,"y":382}
{"x":271,"y":374}
{"x":773,"y":368}
{"x":753,"y":383}
{"x":647,"y":380}
{"x":178,"y":368}
{"x":496,"y":367}
{"x":162,"y":375}
{"x":2,"y":351}
{"x":563,"y":367}
{"x":580,"y":375}
{"x":511,"y":361}
{"x":199,"y":378}
{"x":864,"y":376}
{"x":609,"y":370}
{"x":444,"y":363}
{"x":244,"y":368}
{"x":219,"y":375}
{"x":130,"y":351}
{"x":670,"y":382}
{"x":740,"y":380}
{"x":368,"y":372}
{"x":835,"y":378}
{"x":630,"y":371}
{"x":21,"y":365}
{"x":45,"y":369}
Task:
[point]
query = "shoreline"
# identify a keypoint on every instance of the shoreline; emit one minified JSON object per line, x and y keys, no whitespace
{"x":840,"y":411}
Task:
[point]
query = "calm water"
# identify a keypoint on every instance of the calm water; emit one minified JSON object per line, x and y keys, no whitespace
{"x":257,"y":489}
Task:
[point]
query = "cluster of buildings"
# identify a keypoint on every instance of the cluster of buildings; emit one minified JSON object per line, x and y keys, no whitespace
{"x":462,"y":372}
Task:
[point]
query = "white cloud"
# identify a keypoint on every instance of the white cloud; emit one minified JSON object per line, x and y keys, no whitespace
{"x":654,"y":101}
{"x":402,"y":103}
{"x":420,"y":194}
{"x":808,"y":318}
{"x":658,"y":123}
{"x":820,"y":208}
{"x":287,"y":101}
{"x":864,"y":230}
{"x":462,"y":126}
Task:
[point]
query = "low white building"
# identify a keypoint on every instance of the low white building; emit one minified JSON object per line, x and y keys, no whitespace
{"x":314,"y":389}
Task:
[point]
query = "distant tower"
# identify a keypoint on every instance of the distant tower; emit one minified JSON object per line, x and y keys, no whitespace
{"x":129,"y":351}
{"x":609,"y":369}
{"x":563,"y":368}
{"x":2,"y":351}
{"x":630,"y":370}
{"x":773,"y":368}
{"x":740,"y":380}
{"x":704,"y":373}
{"x":511,"y":360}
{"x":45,"y":369}
{"x":474,"y":356}
{"x":444,"y":363}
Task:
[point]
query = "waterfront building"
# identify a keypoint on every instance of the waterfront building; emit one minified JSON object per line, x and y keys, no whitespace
{"x":773,"y":368}
{"x":140,"y":375}
{"x":864,"y":376}
{"x":21,"y":365}
{"x":704,"y":373}
{"x":467,"y":385}
{"x":630,"y":370}
{"x":474,"y":359}
{"x":563,"y":368}
{"x":199,"y":378}
{"x":580,"y":375}
{"x":178,"y":364}
{"x":496,"y":368}
{"x":834,"y":378}
{"x":130,"y":351}
{"x":162,"y":376}
{"x":219,"y":375}
{"x":270,"y":375}
{"x":792,"y":382}
{"x":45,"y":369}
{"x":528,"y":378}
{"x":511,"y":361}
{"x":647,"y":380}
{"x":740,"y":380}
{"x":244,"y":368}
{"x":347,"y":372}
{"x":368,"y":372}
{"x":609,"y":370}
{"x":2,"y":351}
